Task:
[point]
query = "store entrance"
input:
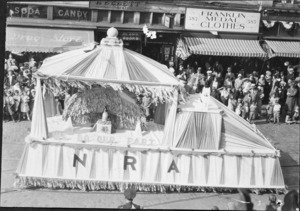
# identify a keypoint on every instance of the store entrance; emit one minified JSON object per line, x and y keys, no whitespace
{"x":153,"y":51}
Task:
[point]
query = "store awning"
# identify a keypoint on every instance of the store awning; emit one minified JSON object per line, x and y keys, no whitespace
{"x":46,"y":40}
{"x":225,"y":47}
{"x":284,"y":48}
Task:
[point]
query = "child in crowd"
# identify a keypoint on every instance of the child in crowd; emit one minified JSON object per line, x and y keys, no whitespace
{"x":269,"y":112}
{"x":25,"y":105}
{"x":296,"y":117}
{"x":253,"y":110}
{"x":239,"y":106}
{"x":276,"y":111}
{"x":245,"y":110}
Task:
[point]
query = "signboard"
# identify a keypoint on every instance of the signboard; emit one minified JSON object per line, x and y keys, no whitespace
{"x":26,"y":11}
{"x":220,"y":20}
{"x":118,"y":5}
{"x":46,"y":40}
{"x":130,"y":36}
{"x":167,"y":21}
{"x":71,"y":13}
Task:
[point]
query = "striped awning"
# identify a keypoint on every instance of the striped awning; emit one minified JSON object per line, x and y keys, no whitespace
{"x":225,"y":47}
{"x":284,"y":48}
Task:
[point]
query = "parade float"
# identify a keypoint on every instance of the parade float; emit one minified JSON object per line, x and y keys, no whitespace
{"x":102,"y":141}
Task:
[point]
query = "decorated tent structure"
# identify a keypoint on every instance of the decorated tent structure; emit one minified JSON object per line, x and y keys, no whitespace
{"x":202,"y":145}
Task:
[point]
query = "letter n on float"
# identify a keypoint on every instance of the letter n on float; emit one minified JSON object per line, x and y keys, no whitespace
{"x":77,"y":159}
{"x":129,"y":160}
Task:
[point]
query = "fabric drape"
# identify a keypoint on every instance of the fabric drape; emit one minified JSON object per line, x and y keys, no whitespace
{"x":198,"y":130}
{"x":168,"y":137}
{"x":56,"y":162}
{"x":39,"y":128}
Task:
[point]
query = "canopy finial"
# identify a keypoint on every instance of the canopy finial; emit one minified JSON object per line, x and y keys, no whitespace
{"x":112,"y":32}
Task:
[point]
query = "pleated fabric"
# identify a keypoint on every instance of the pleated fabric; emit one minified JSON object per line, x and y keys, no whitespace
{"x":151,"y":167}
{"x":107,"y":64}
{"x":39,"y":128}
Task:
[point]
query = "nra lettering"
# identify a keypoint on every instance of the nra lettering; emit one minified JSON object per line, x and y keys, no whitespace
{"x":129,"y":161}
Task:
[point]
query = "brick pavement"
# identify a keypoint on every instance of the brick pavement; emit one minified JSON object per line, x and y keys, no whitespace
{"x":13,"y":144}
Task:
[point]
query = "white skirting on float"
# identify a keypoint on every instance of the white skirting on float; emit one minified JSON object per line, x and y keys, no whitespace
{"x":63,"y":165}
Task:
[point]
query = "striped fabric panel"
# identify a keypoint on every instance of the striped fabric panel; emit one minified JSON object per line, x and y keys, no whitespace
{"x":285,"y":49}
{"x":182,"y":50}
{"x":225,"y":47}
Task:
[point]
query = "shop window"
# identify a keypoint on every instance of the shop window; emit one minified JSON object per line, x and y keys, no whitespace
{"x":128,"y":17}
{"x":157,"y":18}
{"x":102,"y":16}
{"x":182,"y":19}
{"x":116,"y":16}
{"x":145,"y":17}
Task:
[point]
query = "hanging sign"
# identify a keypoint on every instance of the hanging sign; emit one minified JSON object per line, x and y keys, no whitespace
{"x":220,"y":20}
{"x":118,"y":5}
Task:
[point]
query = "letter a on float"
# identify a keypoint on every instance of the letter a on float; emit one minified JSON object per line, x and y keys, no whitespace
{"x":173,"y":167}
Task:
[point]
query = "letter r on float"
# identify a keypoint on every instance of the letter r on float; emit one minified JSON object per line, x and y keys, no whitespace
{"x":77,"y":159}
{"x":129,"y":160}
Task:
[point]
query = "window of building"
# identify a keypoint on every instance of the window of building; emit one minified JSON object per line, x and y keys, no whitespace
{"x":116,"y":16}
{"x":102,"y":16}
{"x":157,"y":18}
{"x":128,"y":17}
{"x":145,"y":17}
{"x":182,"y":19}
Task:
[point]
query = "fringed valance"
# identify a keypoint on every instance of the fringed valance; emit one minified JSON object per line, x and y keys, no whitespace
{"x":90,"y":185}
{"x":158,"y":93}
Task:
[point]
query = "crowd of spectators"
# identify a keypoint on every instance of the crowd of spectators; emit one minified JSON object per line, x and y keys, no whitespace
{"x":273,"y":94}
{"x":19,"y":89}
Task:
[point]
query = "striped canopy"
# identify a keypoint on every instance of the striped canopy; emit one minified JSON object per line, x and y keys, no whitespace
{"x":107,"y":64}
{"x":284,"y":48}
{"x":225,"y":47}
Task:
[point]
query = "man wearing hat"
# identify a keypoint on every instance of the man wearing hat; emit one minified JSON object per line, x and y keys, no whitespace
{"x":290,"y":75}
{"x":238,"y":82}
{"x":207,"y":84}
{"x":130,"y":194}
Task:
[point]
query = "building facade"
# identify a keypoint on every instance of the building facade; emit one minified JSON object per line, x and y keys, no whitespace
{"x":60,"y":26}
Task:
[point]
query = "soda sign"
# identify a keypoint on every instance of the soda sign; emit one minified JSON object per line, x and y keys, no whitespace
{"x":28,"y":11}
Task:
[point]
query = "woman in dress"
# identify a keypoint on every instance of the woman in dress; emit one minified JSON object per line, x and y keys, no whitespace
{"x":10,"y":104}
{"x":17,"y":98}
{"x":25,"y":105}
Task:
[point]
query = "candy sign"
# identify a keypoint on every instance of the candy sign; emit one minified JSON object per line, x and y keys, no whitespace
{"x":219,"y":20}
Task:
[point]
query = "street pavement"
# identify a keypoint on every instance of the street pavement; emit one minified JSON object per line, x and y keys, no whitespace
{"x":284,"y":137}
